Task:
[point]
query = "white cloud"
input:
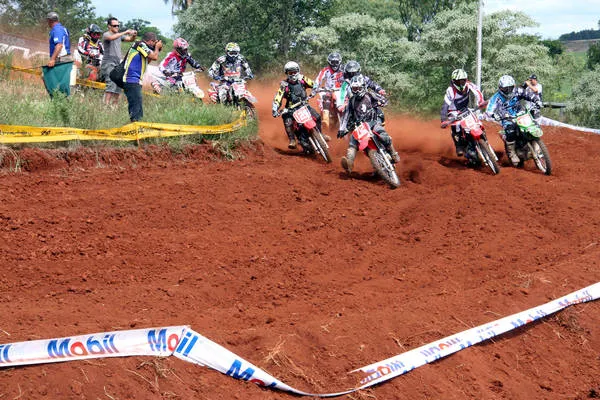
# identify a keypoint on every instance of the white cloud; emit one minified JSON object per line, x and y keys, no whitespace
{"x":554,"y":17}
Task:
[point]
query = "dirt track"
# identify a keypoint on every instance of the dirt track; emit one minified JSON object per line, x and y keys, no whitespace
{"x":306,"y":273}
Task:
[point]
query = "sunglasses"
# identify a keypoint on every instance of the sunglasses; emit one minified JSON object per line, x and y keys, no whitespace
{"x":115,"y":26}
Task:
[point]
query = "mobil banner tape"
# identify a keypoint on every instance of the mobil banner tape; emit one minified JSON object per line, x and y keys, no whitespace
{"x":188,"y":345}
{"x":139,"y":342}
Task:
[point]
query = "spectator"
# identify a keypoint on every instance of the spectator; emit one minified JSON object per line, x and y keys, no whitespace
{"x":111,"y":41}
{"x":60,"y":73}
{"x":135,"y":66}
{"x":60,"y":43}
{"x":532,"y":86}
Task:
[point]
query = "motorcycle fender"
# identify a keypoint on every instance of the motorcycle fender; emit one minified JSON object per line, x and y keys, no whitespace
{"x":248,"y":96}
{"x":310,"y":124}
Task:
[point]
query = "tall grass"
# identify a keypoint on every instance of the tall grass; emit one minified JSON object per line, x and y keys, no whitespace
{"x":24,"y":101}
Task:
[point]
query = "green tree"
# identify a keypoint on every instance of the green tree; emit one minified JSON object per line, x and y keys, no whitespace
{"x":74,"y":14}
{"x":416,"y":14}
{"x":265,"y":30}
{"x":584,"y":105}
{"x":593,"y":55}
{"x":179,"y":5}
{"x":380,"y":46}
{"x":555,"y":47}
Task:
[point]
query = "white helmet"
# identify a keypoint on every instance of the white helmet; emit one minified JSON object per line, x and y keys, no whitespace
{"x":506,"y":85}
{"x":292,"y":70}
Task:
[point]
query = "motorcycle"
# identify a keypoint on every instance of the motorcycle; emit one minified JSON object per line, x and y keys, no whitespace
{"x":306,"y":130}
{"x":479,"y":151}
{"x":180,"y":83}
{"x":528,"y":143}
{"x":381,"y":159}
{"x":237,"y":94}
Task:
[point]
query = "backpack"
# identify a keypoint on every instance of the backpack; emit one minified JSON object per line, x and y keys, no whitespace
{"x":118,"y":72}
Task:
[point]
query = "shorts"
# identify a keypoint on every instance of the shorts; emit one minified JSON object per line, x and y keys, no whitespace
{"x":105,"y":69}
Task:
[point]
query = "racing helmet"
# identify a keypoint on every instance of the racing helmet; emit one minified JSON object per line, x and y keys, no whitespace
{"x":292,"y":70}
{"x":232,"y":50}
{"x":459,"y":80}
{"x":334,"y":60}
{"x":357,"y":85}
{"x":181,"y":46}
{"x":506,"y":85}
{"x":351,"y":69}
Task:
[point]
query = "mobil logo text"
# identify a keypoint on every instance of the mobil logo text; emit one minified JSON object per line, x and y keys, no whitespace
{"x":93,"y":345}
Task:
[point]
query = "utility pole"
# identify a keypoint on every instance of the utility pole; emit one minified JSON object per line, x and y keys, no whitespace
{"x":479,"y":40}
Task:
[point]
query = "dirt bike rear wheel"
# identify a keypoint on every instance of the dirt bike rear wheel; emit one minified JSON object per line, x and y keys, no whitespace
{"x":541,"y":156}
{"x":488,"y":158}
{"x":384,"y":168}
{"x":320,"y":145}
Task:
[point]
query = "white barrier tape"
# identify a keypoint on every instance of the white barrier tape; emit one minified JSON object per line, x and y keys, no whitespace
{"x":551,"y":122}
{"x":158,"y":342}
{"x":190,"y":346}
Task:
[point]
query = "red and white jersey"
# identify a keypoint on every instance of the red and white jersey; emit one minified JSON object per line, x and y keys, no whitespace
{"x":329,"y":79}
{"x":455,"y":100}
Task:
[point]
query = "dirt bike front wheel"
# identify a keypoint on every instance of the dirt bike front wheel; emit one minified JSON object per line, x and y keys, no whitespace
{"x":488,"y":156}
{"x":384,"y":168}
{"x":319,"y":144}
{"x":249,"y":110}
{"x":541,"y":156}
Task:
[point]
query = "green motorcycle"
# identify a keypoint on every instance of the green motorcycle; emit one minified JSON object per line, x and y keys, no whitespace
{"x":529,"y":144}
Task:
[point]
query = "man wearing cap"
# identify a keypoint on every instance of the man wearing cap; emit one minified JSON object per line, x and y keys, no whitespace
{"x":60,"y":43}
{"x":533,"y":86}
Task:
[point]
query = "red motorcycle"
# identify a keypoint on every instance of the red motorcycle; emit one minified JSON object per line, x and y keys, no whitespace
{"x":306,"y":130}
{"x":381,"y":160}
{"x":472,"y":132}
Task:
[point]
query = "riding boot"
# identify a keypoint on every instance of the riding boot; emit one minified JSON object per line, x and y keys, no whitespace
{"x":325,"y":118}
{"x":348,"y":161}
{"x":394,"y":154}
{"x":458,"y":143}
{"x":293,"y":143}
{"x":511,"y":153}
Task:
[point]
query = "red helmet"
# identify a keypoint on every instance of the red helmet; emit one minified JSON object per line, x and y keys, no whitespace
{"x":181,"y":46}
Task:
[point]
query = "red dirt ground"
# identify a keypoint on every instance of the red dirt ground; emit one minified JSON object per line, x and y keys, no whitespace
{"x":297,"y":268}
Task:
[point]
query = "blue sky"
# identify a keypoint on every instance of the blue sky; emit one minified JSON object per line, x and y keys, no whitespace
{"x":554,"y":16}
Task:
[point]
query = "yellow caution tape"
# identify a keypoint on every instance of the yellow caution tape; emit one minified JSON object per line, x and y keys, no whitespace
{"x":133,"y":131}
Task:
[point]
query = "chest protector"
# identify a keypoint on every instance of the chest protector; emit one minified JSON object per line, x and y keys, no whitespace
{"x":296,"y":92}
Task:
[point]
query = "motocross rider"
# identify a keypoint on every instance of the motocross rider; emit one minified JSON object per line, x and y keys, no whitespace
{"x":351,"y":69}
{"x":457,"y":98}
{"x":227,"y":67}
{"x":89,"y":46}
{"x":293,"y":90}
{"x":504,"y":105}
{"x":173,"y":65}
{"x":331,"y":77}
{"x":361,"y":108}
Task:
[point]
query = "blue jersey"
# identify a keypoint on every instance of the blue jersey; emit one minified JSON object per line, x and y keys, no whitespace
{"x":500,"y":105}
{"x":135,"y":66}
{"x":60,"y":35}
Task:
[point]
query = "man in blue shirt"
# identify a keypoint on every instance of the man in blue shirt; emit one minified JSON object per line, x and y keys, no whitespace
{"x":135,"y":66}
{"x":60,"y":43}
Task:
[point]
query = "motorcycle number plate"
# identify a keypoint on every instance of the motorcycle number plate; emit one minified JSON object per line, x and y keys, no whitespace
{"x":470,"y":122}
{"x":302,"y":115}
{"x":188,"y":80}
{"x":362,"y":132}
{"x":239,"y":89}
{"x":525,"y":120}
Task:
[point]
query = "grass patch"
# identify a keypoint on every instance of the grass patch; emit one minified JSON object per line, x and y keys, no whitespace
{"x":25,"y":102}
